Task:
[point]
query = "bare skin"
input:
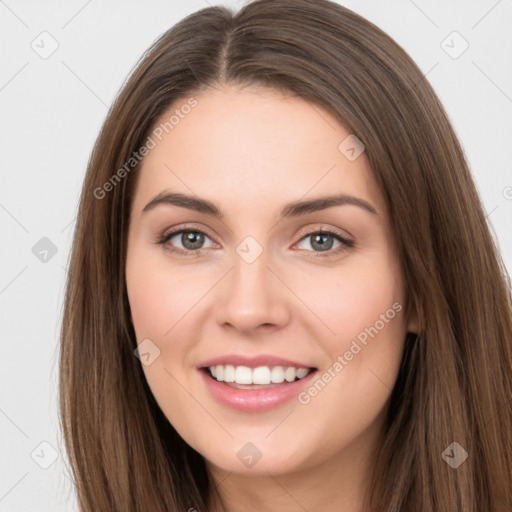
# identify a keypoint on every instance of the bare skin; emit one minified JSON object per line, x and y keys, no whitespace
{"x":252,"y":151}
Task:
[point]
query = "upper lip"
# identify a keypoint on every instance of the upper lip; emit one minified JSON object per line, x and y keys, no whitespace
{"x":252,"y":361}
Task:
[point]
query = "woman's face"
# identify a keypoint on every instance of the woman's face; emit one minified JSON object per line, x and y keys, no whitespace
{"x":253,"y":289}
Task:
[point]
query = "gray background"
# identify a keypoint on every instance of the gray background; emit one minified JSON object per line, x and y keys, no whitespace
{"x":52,"y":110}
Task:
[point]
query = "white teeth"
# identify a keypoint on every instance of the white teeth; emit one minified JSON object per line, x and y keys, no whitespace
{"x":243,"y":375}
{"x":229,"y":373}
{"x":302,"y":372}
{"x":277,"y":374}
{"x":289,"y":374}
{"x":260,"y":375}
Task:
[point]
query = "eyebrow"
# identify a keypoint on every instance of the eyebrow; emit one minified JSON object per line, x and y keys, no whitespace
{"x":293,"y":209}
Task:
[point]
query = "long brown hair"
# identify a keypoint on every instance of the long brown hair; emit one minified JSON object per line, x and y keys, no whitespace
{"x":455,"y":382}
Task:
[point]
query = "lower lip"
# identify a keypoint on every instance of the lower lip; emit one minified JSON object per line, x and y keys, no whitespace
{"x":255,"y":400}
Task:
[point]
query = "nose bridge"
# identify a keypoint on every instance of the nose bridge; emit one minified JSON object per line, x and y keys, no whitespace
{"x":254,"y":295}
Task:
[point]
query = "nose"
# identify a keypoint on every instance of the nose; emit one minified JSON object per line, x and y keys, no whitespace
{"x":253,"y":296}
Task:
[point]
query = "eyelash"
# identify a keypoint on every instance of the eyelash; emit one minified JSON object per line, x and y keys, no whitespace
{"x":346,"y":244}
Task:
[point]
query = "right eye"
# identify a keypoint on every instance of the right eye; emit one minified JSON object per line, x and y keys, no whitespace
{"x":191,"y":240}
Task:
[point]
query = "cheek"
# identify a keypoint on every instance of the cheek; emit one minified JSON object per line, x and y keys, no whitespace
{"x":158,"y":297}
{"x":362,"y":321}
{"x":364,"y":308}
{"x":352,"y":298}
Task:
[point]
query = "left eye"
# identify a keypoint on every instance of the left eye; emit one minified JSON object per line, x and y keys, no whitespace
{"x":323,"y":241}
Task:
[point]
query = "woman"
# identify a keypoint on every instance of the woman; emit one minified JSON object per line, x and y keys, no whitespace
{"x":283,"y":292}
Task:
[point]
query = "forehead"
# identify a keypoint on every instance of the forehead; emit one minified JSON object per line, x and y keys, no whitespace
{"x":247,"y":144}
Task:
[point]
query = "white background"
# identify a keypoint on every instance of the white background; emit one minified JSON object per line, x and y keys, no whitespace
{"x":51,"y":113}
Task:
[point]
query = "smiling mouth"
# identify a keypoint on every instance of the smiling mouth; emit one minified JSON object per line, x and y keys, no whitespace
{"x":262,"y":377}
